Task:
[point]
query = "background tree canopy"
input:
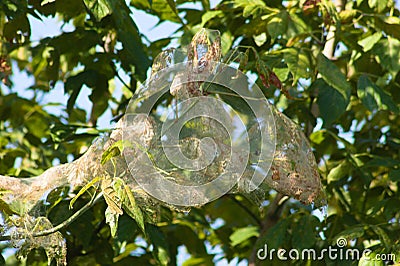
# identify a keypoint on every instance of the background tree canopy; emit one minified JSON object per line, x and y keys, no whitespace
{"x":332,"y":67}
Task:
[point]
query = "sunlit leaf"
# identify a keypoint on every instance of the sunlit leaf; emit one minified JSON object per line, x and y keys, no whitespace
{"x":338,"y":172}
{"x":112,"y":221}
{"x":210,"y":15}
{"x":242,"y":234}
{"x":260,"y":39}
{"x":44,"y":2}
{"x":199,"y":261}
{"x":380,"y":5}
{"x":298,"y":63}
{"x":132,"y":209}
{"x":99,"y":8}
{"x":369,"y":259}
{"x":111,"y":196}
{"x":83,"y":190}
{"x":114,"y":150}
{"x":388,"y":51}
{"x":369,"y":42}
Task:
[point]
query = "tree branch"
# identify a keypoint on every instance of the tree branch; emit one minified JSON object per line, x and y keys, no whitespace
{"x":330,"y":44}
{"x":74,"y":174}
{"x":64,"y":224}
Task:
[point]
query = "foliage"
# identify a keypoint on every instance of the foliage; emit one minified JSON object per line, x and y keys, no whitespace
{"x":346,"y":102}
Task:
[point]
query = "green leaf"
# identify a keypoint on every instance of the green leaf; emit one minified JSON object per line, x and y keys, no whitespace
{"x":298,"y":63}
{"x":369,"y":42}
{"x":242,"y":234}
{"x":19,"y":207}
{"x":254,"y":8}
{"x":112,"y":220}
{"x":373,"y":97}
{"x":351,"y":233}
{"x":282,"y":73}
{"x":99,"y":97}
{"x":127,"y":231}
{"x":346,"y":16}
{"x":388,"y":52}
{"x":83,"y":190}
{"x":45,"y":2}
{"x":17,"y":27}
{"x":172,"y":5}
{"x":334,"y":77}
{"x":129,"y":203}
{"x":5,"y":208}
{"x":99,"y":8}
{"x":133,"y":53}
{"x":37,"y":125}
{"x":205,"y":4}
{"x":305,"y":230}
{"x":340,"y":171}
{"x":369,"y":259}
{"x":383,"y":236}
{"x":165,"y":10}
{"x":114,"y":150}
{"x":380,"y":5}
{"x":319,"y":136}
{"x":394,"y":175}
{"x":276,"y":236}
{"x":206,"y":260}
{"x":74,"y":84}
{"x":278,"y":24}
{"x":260,"y":39}
{"x":56,"y":196}
{"x":110,"y":195}
{"x":334,"y":95}
{"x":330,"y":101}
{"x":160,"y":245}
{"x":132,"y":209}
{"x":389,"y":24}
{"x":209,"y":15}
{"x":142,"y":4}
{"x":391,"y":20}
{"x":226,"y":42}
